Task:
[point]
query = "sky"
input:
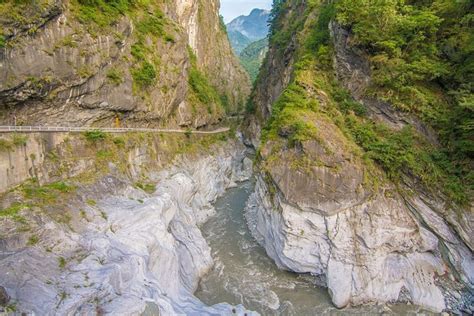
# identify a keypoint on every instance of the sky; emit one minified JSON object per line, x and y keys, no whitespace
{"x":231,"y":9}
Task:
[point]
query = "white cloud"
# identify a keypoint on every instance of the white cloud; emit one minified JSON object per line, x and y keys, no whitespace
{"x":231,"y":9}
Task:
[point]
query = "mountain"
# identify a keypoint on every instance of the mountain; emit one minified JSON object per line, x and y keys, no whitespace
{"x":238,"y":41}
{"x":99,"y":64}
{"x":129,"y":62}
{"x":248,"y":28}
{"x":254,"y":26}
{"x":252,"y":57}
{"x":363,"y":130}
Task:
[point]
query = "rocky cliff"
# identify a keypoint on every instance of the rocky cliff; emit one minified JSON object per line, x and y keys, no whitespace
{"x":114,"y":235}
{"x":98,"y":63}
{"x":327,"y":202}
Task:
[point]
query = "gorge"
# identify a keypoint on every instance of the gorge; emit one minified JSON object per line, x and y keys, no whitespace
{"x":342,"y":186}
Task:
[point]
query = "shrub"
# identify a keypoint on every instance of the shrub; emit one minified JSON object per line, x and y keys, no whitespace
{"x":199,"y":83}
{"x":250,"y":106}
{"x":103,"y":154}
{"x":17,"y":140}
{"x":399,"y":152}
{"x":152,"y":24}
{"x":291,"y":116}
{"x":222,"y":24}
{"x":188,"y":132}
{"x":320,"y":34}
{"x":95,"y":135}
{"x":403,"y":50}
{"x":119,"y":141}
{"x":138,"y":51}
{"x":39,"y":194}
{"x":84,"y":72}
{"x":33,"y":240}
{"x":62,"y":262}
{"x":102,"y":12}
{"x":46,"y":194}
{"x":5,"y":145}
{"x":61,"y":187}
{"x":103,"y":215}
{"x":145,"y":75}
{"x":169,"y":38}
{"x":115,"y":76}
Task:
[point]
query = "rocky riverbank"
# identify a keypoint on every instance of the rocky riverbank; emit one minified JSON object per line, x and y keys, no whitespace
{"x":129,"y":249}
{"x":373,"y":251}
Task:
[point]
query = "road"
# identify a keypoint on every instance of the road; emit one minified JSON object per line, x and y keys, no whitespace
{"x":34,"y":129}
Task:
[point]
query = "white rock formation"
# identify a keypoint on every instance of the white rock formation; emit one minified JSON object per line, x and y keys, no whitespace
{"x":134,"y":249}
{"x":371,"y":252}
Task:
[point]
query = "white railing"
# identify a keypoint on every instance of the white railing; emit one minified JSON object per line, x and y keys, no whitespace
{"x":32,"y":129}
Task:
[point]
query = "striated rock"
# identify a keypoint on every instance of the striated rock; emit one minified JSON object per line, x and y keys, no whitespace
{"x":329,"y":181}
{"x":132,"y":251}
{"x":61,"y":70}
{"x":368,"y":252}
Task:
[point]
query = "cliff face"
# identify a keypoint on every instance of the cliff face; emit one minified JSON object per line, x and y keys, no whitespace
{"x":89,"y":63}
{"x":325,"y":202}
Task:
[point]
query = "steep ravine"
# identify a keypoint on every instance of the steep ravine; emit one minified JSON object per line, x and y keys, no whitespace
{"x":244,"y":274}
{"x":124,"y":224}
{"x":319,"y":206}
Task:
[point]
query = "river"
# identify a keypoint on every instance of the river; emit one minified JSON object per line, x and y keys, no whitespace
{"x":244,"y":274}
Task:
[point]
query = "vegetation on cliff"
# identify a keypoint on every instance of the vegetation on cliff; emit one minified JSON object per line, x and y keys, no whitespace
{"x":128,"y":57}
{"x":421,"y":62}
{"x":252,"y":57}
{"x":422,"y":59}
{"x":203,"y":93}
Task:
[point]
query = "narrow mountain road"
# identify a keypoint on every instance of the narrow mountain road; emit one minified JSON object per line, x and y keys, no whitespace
{"x":34,"y":129}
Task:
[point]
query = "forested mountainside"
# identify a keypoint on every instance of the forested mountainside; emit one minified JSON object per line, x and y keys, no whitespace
{"x":248,"y":37}
{"x":93,"y":62}
{"x":362,"y":115}
{"x":247,"y":29}
{"x":399,"y":95}
{"x":238,"y":41}
{"x":252,"y":57}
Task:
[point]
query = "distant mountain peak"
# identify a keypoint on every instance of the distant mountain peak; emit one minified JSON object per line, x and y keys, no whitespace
{"x":258,"y":12}
{"x":253,"y":26}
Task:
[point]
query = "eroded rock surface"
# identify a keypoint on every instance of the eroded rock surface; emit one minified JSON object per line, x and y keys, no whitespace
{"x":368,"y":252}
{"x":130,"y":250}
